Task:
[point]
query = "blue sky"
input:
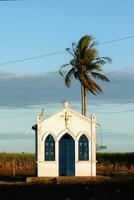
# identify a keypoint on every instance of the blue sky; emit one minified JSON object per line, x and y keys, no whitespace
{"x":33,"y":28}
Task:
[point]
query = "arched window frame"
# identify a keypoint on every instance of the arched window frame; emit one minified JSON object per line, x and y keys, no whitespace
{"x":83,"y":148}
{"x":49,"y":153}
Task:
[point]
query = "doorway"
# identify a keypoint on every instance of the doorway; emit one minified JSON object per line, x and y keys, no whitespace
{"x":66,"y":156}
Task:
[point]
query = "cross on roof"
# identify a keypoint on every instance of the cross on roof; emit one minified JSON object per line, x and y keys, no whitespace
{"x":66,"y":117}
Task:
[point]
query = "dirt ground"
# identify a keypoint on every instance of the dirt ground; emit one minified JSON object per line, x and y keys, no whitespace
{"x":106,"y":188}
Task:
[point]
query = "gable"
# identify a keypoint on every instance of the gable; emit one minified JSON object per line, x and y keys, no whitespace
{"x":66,"y":120}
{"x":69,"y":112}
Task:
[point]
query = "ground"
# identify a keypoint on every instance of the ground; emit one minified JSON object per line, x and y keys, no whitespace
{"x":102,"y":188}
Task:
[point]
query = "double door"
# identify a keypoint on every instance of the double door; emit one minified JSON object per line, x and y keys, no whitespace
{"x":66,"y":156}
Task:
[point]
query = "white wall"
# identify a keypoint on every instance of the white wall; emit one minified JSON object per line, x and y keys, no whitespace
{"x":76,"y":125}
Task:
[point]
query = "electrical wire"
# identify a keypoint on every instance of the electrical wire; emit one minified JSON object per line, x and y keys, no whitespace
{"x":116,"y":40}
{"x":118,"y":112}
{"x":60,"y":52}
{"x":112,"y":112}
{"x":32,"y":58}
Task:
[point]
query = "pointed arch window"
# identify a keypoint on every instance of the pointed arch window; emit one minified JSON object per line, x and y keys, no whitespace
{"x":83,"y":148}
{"x":49,"y":148}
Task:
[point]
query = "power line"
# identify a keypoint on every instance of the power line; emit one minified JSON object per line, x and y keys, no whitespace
{"x":118,"y":112}
{"x":8,"y":0}
{"x":111,"y":112}
{"x":60,"y":52}
{"x":112,"y":106}
{"x":116,"y":40}
{"x":32,"y":58}
{"x":105,"y":107}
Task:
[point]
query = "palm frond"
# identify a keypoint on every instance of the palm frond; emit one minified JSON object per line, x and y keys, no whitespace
{"x":76,"y":75}
{"x":87,"y":83}
{"x":93,"y":67}
{"x":83,"y":42}
{"x":89,"y":55}
{"x":106,"y":59}
{"x":98,"y":88}
{"x":69,"y":77}
{"x":74,"y":47}
{"x":94,"y":43}
{"x":99,"y":76}
{"x":90,"y":84}
{"x":93,"y":86}
{"x":72,"y":62}
{"x":100,"y":61}
{"x":62,"y":70}
{"x":70,"y":51}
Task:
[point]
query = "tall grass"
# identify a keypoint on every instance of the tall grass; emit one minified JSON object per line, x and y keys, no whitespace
{"x":23,"y":158}
{"x":127,"y":158}
{"x":17,"y":165}
{"x":24,"y":164}
{"x":27,"y":158}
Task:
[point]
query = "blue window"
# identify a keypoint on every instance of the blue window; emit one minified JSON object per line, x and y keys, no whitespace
{"x":83,"y":148}
{"x":49,"y":148}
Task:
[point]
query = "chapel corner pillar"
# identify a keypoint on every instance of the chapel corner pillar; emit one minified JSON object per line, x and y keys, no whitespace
{"x":39,"y":138}
{"x":93,"y":144}
{"x":39,"y":122}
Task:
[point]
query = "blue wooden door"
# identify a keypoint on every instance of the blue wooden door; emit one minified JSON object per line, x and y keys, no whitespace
{"x":66,"y":156}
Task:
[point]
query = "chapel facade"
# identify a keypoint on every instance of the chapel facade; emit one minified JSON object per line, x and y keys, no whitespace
{"x":66,"y":144}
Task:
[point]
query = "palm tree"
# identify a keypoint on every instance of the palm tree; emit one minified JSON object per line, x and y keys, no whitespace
{"x":86,"y":66}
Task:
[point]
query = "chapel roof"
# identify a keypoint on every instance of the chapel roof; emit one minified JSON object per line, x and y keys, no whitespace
{"x":66,"y":107}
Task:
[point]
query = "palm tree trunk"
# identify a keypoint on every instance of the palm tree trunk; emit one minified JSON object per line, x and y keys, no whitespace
{"x":83,"y":100}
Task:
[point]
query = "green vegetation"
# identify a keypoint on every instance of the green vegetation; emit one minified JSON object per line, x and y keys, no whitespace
{"x":21,"y":165}
{"x":29,"y":158}
{"x":23,"y":158}
{"x":127,"y":158}
{"x":17,"y":165}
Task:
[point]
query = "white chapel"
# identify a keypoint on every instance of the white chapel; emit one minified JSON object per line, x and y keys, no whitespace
{"x":66,"y":144}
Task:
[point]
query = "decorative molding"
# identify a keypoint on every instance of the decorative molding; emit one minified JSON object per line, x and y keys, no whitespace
{"x":64,"y":131}
{"x":81,"y":133}
{"x":46,"y":134}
